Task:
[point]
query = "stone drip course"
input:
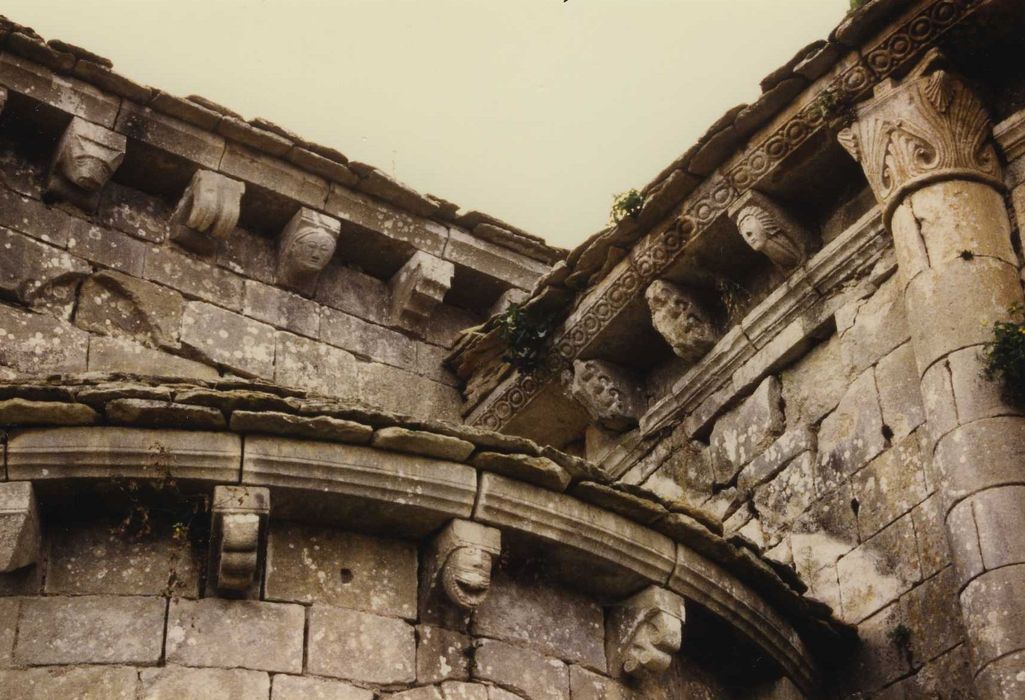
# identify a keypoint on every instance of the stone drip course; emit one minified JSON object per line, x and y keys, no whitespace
{"x":253,"y":408}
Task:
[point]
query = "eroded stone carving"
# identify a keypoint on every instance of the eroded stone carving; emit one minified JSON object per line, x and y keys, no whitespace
{"x":238,"y":538}
{"x":609,"y":393}
{"x":210,"y":205}
{"x":418,"y":288}
{"x":19,"y":526}
{"x":644,"y":632}
{"x":928,"y":127}
{"x":86,"y":157}
{"x":680,"y":318}
{"x":306,"y":247}
{"x":767,"y":228}
{"x":458,"y":565}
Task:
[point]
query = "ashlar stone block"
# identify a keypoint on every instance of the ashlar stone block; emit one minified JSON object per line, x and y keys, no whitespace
{"x":116,"y":304}
{"x":441,"y":655}
{"x":19,"y":525}
{"x":524,"y":671}
{"x":307,"y":688}
{"x":90,"y":630}
{"x":417,"y":288}
{"x":744,"y":432}
{"x":307,"y":364}
{"x":225,"y":338}
{"x":851,"y":435}
{"x":39,"y":274}
{"x":359,"y":646}
{"x":81,"y":683}
{"x":310,"y":564}
{"x":235,"y":634}
{"x":174,"y":682}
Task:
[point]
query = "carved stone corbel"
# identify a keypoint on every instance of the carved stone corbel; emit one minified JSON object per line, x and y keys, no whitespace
{"x":609,"y":393}
{"x":643,"y":632}
{"x":457,"y":571}
{"x":86,"y":157}
{"x":208,"y":211}
{"x":238,"y":539}
{"x":928,"y":127}
{"x":768,"y":229}
{"x":418,"y":288}
{"x":306,"y":247}
{"x":19,"y":525}
{"x":680,"y":318}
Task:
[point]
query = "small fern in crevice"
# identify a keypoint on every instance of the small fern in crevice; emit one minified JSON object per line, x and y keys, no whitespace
{"x":1004,"y":356}
{"x":524,"y":337}
{"x":625,"y":205}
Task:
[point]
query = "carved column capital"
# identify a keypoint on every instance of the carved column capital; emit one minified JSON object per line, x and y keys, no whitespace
{"x":926,"y":128}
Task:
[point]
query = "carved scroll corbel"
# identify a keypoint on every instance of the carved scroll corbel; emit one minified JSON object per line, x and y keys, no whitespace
{"x":19,"y":526}
{"x":644,"y":632}
{"x":418,"y":288}
{"x":457,"y":571}
{"x":306,"y":247}
{"x":609,"y":393}
{"x":86,"y":158}
{"x":679,"y":317}
{"x":768,"y":229}
{"x":208,"y":211}
{"x":238,"y":539}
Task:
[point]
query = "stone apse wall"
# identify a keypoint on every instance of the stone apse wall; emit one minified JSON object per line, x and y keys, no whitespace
{"x":260,"y":439}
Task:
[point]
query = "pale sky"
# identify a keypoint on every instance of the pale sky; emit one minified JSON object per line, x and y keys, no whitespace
{"x":535,"y":111}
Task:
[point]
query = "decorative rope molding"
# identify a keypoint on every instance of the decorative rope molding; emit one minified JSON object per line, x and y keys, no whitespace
{"x":658,"y":250}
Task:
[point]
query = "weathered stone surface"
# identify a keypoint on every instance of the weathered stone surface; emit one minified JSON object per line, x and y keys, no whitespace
{"x":814,"y":386}
{"x":193,"y":144}
{"x":441,"y":654}
{"x":228,"y":339}
{"x":932,"y":609}
{"x":492,"y":260}
{"x":418,"y":288}
{"x":994,"y":622}
{"x":975,"y":396}
{"x":610,"y":394}
{"x":783,"y":499}
{"x":587,"y":685}
{"x":368,"y":339}
{"x":320,"y":427}
{"x":57,"y":453}
{"x":90,"y":630}
{"x":318,"y":367}
{"x":899,"y":394}
{"x":9,"y":608}
{"x":24,"y":412}
{"x":421,"y":442}
{"x":238,"y":540}
{"x":88,"y":558}
{"x":308,"y":564}
{"x":851,"y":435}
{"x":121,"y":355}
{"x":109,"y":248}
{"x":680,"y":318}
{"x":641,"y":510}
{"x":86,"y":157}
{"x":82,"y":683}
{"x":776,"y":456}
{"x":307,"y":688}
{"x":396,"y":390}
{"x":151,"y":413}
{"x":172,"y":682}
{"x":116,"y":304}
{"x":534,"y":470}
{"x":194,"y":277}
{"x":743,"y":433}
{"x":890,"y":485}
{"x":19,"y":525}
{"x":1004,"y":437}
{"x":644,"y":632}
{"x":281,"y":308}
{"x":360,"y":646}
{"x":880,"y":327}
{"x":38,"y":274}
{"x":524,"y":671}
{"x":529,"y":610}
{"x":879,"y":570}
{"x":37,"y":344}
{"x":273,"y":174}
{"x":210,"y":205}
{"x":235,"y":633}
{"x":932,"y":540}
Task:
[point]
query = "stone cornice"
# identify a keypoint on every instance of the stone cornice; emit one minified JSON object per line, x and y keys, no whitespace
{"x":656,"y":252}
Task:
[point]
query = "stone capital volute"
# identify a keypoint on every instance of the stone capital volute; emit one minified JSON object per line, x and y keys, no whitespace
{"x":923,"y":129}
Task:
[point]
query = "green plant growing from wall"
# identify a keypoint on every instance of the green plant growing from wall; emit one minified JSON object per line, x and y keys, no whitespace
{"x":1004,"y":355}
{"x":855,"y":4}
{"x":625,"y":205}
{"x":524,"y":336}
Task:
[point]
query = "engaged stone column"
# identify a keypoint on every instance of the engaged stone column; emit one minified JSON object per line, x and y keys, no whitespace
{"x":925,"y":145}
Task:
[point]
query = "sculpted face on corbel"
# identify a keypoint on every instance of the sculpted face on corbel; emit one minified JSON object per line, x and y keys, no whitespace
{"x":86,"y":158}
{"x":680,"y":318}
{"x":461,"y":558}
{"x":307,"y":245}
{"x":609,"y":394}
{"x":767,"y":228}
{"x":644,"y":633}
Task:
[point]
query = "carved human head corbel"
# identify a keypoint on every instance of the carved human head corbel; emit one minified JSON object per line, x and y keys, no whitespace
{"x":610,"y":394}
{"x":680,"y":318}
{"x":208,"y":210}
{"x":644,"y":632}
{"x":86,"y":158}
{"x":458,"y":565}
{"x":306,"y":247}
{"x":767,"y":228}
